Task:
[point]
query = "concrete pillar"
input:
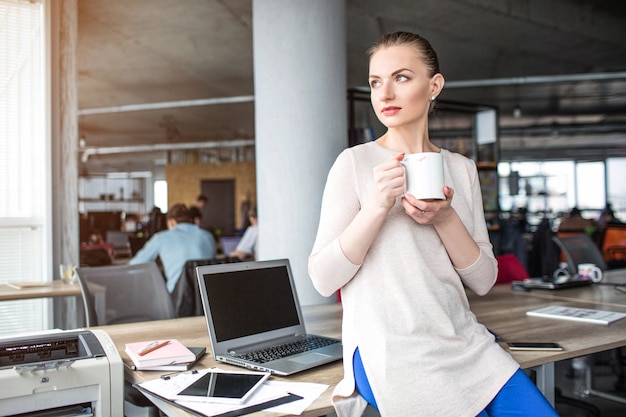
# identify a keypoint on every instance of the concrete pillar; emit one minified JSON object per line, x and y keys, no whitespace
{"x":64,"y":152}
{"x":301,"y":123}
{"x":64,"y":101}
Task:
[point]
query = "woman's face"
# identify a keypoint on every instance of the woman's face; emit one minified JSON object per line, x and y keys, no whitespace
{"x":400,"y":86}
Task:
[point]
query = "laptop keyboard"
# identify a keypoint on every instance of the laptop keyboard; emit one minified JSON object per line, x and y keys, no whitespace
{"x":287,"y":349}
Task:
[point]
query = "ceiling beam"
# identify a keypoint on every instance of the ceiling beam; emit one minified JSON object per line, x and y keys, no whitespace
{"x":166,"y":105}
{"x":161,"y":147}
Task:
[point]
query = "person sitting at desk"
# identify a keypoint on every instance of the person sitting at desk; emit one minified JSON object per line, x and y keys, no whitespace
{"x":196,"y":215}
{"x":575,"y":222}
{"x":607,"y":216}
{"x":183,"y":241}
{"x":246,"y":247}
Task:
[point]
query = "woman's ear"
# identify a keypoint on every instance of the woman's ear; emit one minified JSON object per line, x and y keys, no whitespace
{"x":437,"y":82}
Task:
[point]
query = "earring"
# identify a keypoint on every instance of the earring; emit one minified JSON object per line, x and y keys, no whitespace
{"x":432,"y":98}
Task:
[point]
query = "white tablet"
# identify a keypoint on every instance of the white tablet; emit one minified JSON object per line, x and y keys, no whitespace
{"x":223,"y":387}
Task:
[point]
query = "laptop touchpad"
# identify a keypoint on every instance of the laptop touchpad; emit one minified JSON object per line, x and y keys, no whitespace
{"x":309,"y":358}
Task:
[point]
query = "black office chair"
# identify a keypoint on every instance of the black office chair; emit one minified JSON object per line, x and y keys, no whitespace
{"x":186,"y":294}
{"x":134,"y":293}
{"x":579,"y":249}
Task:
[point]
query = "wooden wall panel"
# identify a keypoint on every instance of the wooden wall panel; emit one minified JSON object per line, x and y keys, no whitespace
{"x":183,"y":181}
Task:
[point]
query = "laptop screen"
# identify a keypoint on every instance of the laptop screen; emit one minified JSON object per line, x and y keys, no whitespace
{"x":229,"y":243}
{"x":249,"y":301}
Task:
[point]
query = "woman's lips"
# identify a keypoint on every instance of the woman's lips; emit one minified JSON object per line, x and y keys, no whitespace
{"x":390,"y":110}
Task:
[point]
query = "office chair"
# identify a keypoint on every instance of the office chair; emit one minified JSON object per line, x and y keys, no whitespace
{"x":120,"y":242}
{"x":510,"y":269}
{"x":186,"y":294}
{"x":134,"y":293}
{"x":136,"y":243}
{"x":579,"y":249}
{"x":94,"y":257}
{"x":613,"y":245}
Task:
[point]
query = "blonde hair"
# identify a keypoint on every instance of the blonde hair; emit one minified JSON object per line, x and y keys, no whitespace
{"x":424,"y":48}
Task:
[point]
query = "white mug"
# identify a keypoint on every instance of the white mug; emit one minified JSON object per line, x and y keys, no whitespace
{"x":561,"y":274}
{"x":424,"y":175}
{"x":590,"y":271}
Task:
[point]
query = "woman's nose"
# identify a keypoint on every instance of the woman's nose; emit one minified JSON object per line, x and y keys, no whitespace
{"x":386,"y":92}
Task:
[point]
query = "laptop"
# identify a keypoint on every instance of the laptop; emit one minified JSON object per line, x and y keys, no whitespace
{"x":551,"y":284}
{"x":229,"y":243}
{"x":252,"y":313}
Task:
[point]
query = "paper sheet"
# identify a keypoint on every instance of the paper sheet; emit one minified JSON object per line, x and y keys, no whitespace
{"x":168,"y":388}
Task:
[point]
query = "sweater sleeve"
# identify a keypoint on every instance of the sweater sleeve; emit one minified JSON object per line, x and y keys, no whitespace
{"x":482,"y":274}
{"x":328,"y":267}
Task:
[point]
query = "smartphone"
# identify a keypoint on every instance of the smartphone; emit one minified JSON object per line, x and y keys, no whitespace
{"x":534,"y":346}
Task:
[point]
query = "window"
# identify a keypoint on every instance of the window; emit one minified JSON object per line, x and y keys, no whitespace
{"x":554,"y":187}
{"x":590,"y":185}
{"x":160,"y":195}
{"x":540,"y":187}
{"x":24,"y":156}
{"x":616,"y":186}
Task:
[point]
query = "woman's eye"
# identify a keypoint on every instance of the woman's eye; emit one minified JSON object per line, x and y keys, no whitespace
{"x":374,"y":83}
{"x":401,"y":78}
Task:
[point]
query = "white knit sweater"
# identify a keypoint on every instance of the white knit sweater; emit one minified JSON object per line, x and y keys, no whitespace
{"x":405,"y":307}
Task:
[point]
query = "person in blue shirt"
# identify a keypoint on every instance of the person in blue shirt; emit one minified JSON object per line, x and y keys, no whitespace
{"x":183,"y":241}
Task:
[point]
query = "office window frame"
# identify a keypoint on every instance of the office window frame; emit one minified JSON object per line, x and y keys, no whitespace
{"x":25,"y":221}
{"x":590,"y":185}
{"x":616,"y":187}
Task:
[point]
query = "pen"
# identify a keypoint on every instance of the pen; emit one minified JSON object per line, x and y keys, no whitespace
{"x":167,"y":377}
{"x":152,"y":346}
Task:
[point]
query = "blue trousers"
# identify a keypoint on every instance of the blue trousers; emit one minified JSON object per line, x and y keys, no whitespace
{"x":519,"y":397}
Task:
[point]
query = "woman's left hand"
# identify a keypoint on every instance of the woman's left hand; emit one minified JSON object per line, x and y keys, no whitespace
{"x":428,"y":211}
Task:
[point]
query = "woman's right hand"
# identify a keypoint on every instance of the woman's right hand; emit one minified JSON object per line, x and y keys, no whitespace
{"x":389,"y":181}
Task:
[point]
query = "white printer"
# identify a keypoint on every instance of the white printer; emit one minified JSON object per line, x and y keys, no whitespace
{"x":61,"y":373}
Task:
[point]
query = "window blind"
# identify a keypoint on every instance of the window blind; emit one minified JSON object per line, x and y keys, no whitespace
{"x":23,"y":201}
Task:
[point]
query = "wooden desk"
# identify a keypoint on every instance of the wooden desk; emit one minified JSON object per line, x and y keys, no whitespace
{"x":601,"y":296}
{"x":502,"y":311}
{"x":192,"y":331}
{"x":607,"y":295}
{"x":55,"y":289}
{"x":604,"y":293}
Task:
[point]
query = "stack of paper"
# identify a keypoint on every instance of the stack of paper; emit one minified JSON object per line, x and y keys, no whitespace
{"x":169,"y":355}
{"x":276,"y":396}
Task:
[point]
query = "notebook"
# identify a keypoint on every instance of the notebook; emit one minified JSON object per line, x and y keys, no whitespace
{"x":173,"y":351}
{"x":253,"y":306}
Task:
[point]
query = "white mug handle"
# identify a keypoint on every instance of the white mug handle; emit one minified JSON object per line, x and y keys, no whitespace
{"x":596,"y":274}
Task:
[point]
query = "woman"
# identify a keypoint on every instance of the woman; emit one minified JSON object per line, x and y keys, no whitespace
{"x":412,"y":347}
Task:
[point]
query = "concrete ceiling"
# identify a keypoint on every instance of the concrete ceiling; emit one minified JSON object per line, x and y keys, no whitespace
{"x":159,"y":74}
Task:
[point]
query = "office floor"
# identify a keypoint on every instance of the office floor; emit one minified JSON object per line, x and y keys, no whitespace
{"x":604,"y":380}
